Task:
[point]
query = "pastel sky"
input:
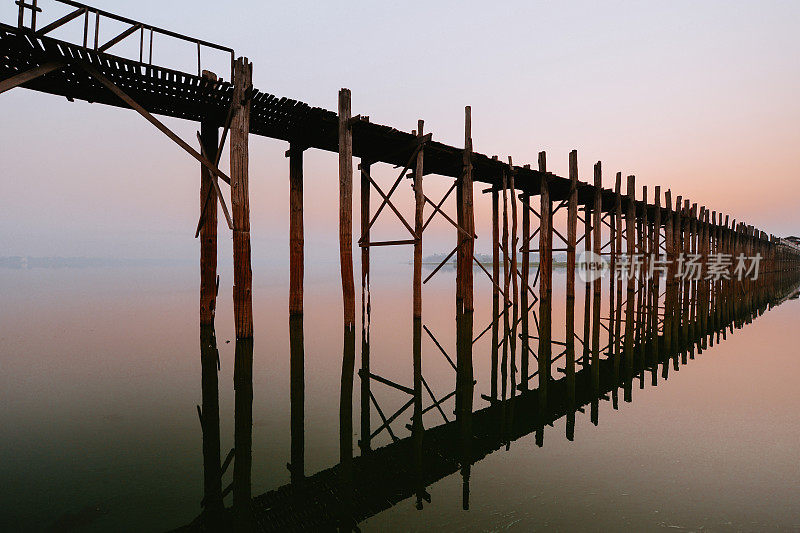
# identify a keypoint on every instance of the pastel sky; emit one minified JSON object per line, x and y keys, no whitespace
{"x":698,"y":97}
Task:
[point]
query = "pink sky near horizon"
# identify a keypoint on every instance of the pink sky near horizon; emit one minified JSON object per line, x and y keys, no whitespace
{"x":698,"y":98}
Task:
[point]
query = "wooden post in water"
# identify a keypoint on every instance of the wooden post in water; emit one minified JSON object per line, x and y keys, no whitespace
{"x":545,"y":278}
{"x":365,"y":444}
{"x":597,"y":208}
{"x":465,"y":258}
{"x":348,"y":284}
{"x":466,"y":220}
{"x":587,"y":301}
{"x":630,"y":240}
{"x":209,"y":137}
{"x":572,"y":236}
{"x":617,"y":323}
{"x":296,"y":333}
{"x":669,"y":300}
{"x":523,"y":291}
{"x":296,"y":239}
{"x":656,"y":281}
{"x":419,"y":204}
{"x":514,"y":281}
{"x":506,"y":290}
{"x":641,"y":319}
{"x":240,"y":198}
{"x":495,"y":288}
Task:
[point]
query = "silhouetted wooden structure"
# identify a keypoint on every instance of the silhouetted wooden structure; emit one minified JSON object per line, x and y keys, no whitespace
{"x":613,"y":350}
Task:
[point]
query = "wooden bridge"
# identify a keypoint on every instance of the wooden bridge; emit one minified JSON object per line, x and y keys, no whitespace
{"x":665,"y":234}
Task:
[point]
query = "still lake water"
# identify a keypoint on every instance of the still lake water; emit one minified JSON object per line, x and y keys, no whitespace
{"x":100,"y":377}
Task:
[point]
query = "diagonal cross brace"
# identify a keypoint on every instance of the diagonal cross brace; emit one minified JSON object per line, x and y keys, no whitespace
{"x":28,"y":75}
{"x":153,"y":120}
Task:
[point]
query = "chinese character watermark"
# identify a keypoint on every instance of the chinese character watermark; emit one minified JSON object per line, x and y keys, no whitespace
{"x":685,"y":267}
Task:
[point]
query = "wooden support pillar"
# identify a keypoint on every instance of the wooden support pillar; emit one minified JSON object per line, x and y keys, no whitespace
{"x":506,"y":291}
{"x":669,"y":298}
{"x":466,"y":219}
{"x":693,"y":242}
{"x":587,"y":301}
{"x":597,"y":208}
{"x":348,"y":284}
{"x":296,"y":238}
{"x":419,"y":204}
{"x":685,"y":242}
{"x":366,"y":303}
{"x":641,"y":294}
{"x":209,"y":137}
{"x":545,"y":279}
{"x":464,"y":261}
{"x":617,"y":323}
{"x":495,"y":288}
{"x":569,"y":340}
{"x":240,"y":199}
{"x":656,"y":281}
{"x":630,"y":240}
{"x":523,"y":293}
{"x":514,"y":281}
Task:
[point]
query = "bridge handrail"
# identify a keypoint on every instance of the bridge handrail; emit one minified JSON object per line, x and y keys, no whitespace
{"x":86,"y":10}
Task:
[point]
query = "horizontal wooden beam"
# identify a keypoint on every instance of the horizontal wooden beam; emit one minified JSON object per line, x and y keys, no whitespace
{"x":386,"y":243}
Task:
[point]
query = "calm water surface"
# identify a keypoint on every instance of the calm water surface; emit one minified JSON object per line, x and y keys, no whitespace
{"x":100,"y":377}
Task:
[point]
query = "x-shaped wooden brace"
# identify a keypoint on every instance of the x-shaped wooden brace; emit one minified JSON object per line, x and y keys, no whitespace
{"x":215,"y":188}
{"x":386,"y":197}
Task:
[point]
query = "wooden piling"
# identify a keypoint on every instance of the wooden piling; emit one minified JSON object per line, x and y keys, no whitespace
{"x":240,"y":198}
{"x":597,"y":208}
{"x":366,"y":303}
{"x":523,"y":293}
{"x":545,"y":277}
{"x":630,"y":240}
{"x":569,"y":340}
{"x":296,"y":238}
{"x":506,"y":292}
{"x":617,"y":322}
{"x":465,"y":258}
{"x":348,"y":284}
{"x":514,"y":281}
{"x":466,"y":219}
{"x":587,"y":301}
{"x":668,"y":299}
{"x":495,"y":289}
{"x":209,"y":137}
{"x":419,"y":204}
{"x":655,"y":255}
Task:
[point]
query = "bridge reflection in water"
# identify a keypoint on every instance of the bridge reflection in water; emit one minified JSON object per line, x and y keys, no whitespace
{"x":363,"y":485}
